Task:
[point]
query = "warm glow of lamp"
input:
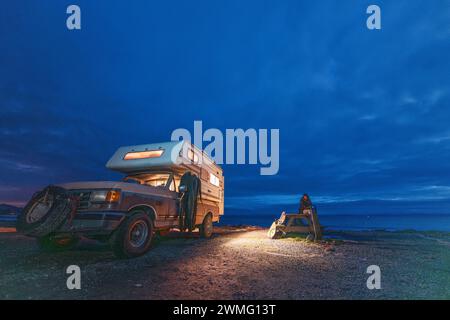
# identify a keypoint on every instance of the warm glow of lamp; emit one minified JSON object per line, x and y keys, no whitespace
{"x":143,"y":154}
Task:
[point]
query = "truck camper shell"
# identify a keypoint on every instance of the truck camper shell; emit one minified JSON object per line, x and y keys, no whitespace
{"x":176,"y":157}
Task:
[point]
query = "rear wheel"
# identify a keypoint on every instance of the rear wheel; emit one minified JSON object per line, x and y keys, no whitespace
{"x":206,"y":228}
{"x":52,"y":243}
{"x":134,"y":236}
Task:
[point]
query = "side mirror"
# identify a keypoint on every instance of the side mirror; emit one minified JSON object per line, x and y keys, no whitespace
{"x":182,"y":188}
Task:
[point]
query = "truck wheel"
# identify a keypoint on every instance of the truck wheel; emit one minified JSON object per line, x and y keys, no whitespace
{"x":51,"y":243}
{"x":134,"y":236}
{"x":45,"y":212}
{"x":206,"y":228}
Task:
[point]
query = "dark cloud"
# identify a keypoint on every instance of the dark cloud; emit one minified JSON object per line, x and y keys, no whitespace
{"x":362,"y":114}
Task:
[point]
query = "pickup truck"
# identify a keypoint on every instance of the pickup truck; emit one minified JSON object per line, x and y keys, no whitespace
{"x":166,"y":185}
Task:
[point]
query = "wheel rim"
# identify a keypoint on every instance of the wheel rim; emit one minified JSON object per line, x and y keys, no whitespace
{"x":38,"y":211}
{"x":138,"y":234}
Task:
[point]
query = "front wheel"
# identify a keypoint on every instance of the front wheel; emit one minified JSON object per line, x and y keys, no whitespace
{"x":134,"y":236}
{"x":206,"y":228}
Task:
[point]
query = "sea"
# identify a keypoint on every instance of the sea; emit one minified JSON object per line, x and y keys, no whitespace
{"x":7,"y":220}
{"x":354,"y":222}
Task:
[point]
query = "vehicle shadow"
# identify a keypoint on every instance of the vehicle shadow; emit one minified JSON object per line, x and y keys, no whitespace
{"x":89,"y":251}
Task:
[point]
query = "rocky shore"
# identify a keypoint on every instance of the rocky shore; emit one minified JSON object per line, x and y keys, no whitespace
{"x":237,"y":263}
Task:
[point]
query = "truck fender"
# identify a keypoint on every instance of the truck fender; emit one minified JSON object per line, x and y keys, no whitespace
{"x":147,"y":208}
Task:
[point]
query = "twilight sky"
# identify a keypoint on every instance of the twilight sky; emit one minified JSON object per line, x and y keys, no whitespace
{"x":363,"y":115}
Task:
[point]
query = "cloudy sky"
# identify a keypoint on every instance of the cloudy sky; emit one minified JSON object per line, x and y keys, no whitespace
{"x":363,"y":115}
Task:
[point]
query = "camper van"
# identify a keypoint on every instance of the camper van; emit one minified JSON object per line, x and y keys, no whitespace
{"x":148,"y":200}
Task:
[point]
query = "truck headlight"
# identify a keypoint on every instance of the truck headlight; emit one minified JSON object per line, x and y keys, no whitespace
{"x":98,"y":196}
{"x":105,"y":196}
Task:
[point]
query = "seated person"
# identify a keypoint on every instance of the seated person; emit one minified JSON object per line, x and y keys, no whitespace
{"x":305,"y":205}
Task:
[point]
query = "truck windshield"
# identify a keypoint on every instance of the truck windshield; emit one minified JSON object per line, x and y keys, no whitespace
{"x":150,"y":179}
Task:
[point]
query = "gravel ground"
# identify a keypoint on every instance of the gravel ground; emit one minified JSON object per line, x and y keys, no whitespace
{"x":237,"y":263}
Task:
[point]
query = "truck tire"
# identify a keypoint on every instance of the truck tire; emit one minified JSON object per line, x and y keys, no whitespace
{"x":52,"y":243}
{"x":45,"y":212}
{"x":206,"y":228}
{"x":134,"y":236}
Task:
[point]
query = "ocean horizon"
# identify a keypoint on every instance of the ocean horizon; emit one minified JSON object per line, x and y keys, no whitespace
{"x":355,"y":222}
{"x":347,"y":222}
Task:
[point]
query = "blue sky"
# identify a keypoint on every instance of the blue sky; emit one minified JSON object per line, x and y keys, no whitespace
{"x":363,"y":115}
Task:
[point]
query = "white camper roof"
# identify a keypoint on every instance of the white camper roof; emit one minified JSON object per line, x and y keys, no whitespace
{"x":164,"y":155}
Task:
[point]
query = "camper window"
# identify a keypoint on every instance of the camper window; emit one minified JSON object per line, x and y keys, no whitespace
{"x":214,"y":180}
{"x":143,"y":154}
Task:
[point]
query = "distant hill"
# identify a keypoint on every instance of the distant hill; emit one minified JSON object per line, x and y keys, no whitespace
{"x":6,"y":209}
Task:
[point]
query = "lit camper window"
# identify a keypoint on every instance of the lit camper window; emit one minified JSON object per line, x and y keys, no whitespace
{"x":143,"y":154}
{"x":214,"y":180}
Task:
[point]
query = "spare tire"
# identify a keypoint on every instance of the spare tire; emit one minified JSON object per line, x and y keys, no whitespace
{"x":45,"y":212}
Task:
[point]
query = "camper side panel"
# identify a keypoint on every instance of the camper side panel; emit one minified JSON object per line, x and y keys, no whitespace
{"x":211,"y":192}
